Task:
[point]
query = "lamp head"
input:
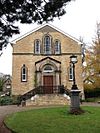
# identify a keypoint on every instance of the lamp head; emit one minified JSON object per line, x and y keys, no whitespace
{"x":73,"y":59}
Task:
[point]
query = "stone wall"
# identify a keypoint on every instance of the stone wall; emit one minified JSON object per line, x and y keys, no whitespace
{"x":23,"y":53}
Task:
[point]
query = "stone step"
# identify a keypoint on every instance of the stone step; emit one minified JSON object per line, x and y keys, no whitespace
{"x":48,"y":99}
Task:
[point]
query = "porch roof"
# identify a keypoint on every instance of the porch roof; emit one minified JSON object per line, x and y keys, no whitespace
{"x":47,"y":58}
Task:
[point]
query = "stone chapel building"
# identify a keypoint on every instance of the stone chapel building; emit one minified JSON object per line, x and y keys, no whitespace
{"x":41,"y":59}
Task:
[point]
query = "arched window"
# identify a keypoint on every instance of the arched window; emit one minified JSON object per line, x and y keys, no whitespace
{"x":48,"y":68}
{"x":47,"y":45}
{"x":71,"y":72}
{"x":37,"y":47}
{"x":24,"y":72}
{"x":57,"y":47}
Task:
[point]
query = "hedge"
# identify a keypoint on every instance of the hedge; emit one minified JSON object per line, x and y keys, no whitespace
{"x":89,"y":93}
{"x":9,"y":100}
{"x":6,"y":100}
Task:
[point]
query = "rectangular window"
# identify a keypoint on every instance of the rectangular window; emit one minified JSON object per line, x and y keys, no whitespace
{"x":71,"y":72}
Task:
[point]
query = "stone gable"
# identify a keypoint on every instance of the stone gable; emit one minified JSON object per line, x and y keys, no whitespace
{"x":23,"y":54}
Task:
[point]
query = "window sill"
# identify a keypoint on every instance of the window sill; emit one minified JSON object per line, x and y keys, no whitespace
{"x":70,"y":80}
{"x":47,"y":54}
{"x":24,"y":81}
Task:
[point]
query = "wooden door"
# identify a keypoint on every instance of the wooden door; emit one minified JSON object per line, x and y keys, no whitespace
{"x":48,"y":84}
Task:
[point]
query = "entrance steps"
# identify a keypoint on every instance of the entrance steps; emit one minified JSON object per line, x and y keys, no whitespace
{"x":48,"y":99}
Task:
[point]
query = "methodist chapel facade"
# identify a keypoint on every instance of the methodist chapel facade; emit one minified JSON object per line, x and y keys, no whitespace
{"x":41,"y":59}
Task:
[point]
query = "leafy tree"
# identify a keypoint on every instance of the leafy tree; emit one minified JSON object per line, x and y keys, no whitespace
{"x":2,"y":81}
{"x":92,"y":69}
{"x":26,"y":11}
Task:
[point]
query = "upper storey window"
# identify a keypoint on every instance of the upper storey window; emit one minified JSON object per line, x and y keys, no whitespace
{"x":57,"y":47}
{"x":37,"y":47}
{"x":47,"y":45}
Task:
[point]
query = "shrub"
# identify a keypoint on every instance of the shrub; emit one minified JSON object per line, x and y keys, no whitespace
{"x":90,"y":91}
{"x":16,"y":100}
{"x":90,"y":100}
{"x":6,"y":100}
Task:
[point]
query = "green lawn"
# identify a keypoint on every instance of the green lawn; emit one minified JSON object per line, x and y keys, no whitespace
{"x":55,"y":120}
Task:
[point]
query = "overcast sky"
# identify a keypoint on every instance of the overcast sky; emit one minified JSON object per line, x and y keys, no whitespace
{"x":80,"y":20}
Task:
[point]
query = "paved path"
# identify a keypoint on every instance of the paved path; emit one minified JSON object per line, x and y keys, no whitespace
{"x":90,"y":104}
{"x":6,"y":110}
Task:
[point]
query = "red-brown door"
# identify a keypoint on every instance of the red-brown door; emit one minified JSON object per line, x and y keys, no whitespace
{"x":48,"y":84}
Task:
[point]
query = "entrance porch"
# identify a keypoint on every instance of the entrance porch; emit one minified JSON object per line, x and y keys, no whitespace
{"x":48,"y":75}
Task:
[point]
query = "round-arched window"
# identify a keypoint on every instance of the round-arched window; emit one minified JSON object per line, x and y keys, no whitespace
{"x":48,"y":68}
{"x":37,"y":47}
{"x":47,"y":44}
{"x":57,"y":47}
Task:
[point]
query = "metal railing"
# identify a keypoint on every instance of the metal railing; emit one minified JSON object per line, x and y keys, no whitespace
{"x":43,"y":90}
{"x":51,"y":89}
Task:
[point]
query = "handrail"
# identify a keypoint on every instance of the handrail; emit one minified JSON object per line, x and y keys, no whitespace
{"x":28,"y":94}
{"x":41,"y":90}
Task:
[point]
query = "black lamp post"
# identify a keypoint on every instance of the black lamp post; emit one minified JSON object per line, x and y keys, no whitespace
{"x":75,"y":100}
{"x":73,"y":60}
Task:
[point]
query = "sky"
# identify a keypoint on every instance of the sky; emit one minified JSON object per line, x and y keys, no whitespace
{"x":79,"y":21}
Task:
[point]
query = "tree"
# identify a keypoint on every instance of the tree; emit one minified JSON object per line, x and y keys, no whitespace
{"x":26,"y":11}
{"x":92,"y":68}
{"x":2,"y":81}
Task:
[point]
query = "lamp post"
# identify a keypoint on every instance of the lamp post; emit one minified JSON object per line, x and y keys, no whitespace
{"x":73,"y":60}
{"x":75,"y":100}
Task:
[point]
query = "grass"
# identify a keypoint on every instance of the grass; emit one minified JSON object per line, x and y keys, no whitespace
{"x":55,"y":120}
